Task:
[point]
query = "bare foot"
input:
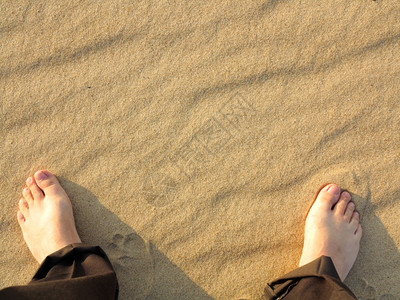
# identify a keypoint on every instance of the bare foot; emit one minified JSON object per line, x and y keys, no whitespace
{"x":332,"y":229}
{"x":45,"y":216}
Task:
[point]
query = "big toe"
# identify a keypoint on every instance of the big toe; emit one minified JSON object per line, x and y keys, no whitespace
{"x":328,"y":195}
{"x":48,"y":182}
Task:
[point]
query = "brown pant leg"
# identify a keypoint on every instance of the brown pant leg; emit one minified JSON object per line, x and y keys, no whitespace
{"x":76,"y":271}
{"x":315,"y":280}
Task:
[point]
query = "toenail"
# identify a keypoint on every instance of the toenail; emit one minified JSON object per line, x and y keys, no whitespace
{"x":26,"y":190}
{"x":352,"y":205}
{"x":29,"y":180}
{"x":334,"y":189}
{"x":41,"y":176}
{"x":346,"y":195}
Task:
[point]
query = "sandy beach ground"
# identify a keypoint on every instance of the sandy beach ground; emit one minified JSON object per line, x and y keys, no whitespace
{"x":191,"y":136}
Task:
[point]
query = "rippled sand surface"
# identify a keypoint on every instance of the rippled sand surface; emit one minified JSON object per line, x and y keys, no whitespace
{"x":191,"y":135}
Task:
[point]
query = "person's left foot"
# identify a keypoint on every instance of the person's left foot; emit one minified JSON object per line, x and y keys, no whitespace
{"x":45,"y":216}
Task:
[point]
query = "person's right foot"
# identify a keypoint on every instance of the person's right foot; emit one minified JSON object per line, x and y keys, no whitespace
{"x":45,"y":216}
{"x":332,"y":229}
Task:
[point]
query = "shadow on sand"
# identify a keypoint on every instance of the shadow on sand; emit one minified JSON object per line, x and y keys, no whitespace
{"x":375,"y":274}
{"x":143,"y":271}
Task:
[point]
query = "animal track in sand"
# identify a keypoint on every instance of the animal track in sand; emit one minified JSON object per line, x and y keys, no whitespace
{"x":370,"y":293}
{"x":133,"y":263}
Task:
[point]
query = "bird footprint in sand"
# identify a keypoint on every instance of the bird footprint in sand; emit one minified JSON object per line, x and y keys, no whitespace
{"x":369,"y":293}
{"x":133,"y":263}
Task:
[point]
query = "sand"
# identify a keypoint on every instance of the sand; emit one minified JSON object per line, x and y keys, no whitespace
{"x":191,"y":136}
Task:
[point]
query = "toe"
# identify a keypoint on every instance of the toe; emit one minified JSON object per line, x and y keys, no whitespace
{"x":359,"y":231}
{"x":349,"y":211}
{"x":26,"y":192}
{"x":324,"y":199}
{"x":48,"y":182}
{"x":341,"y":206}
{"x":355,"y":220}
{"x":20,"y":218}
{"x":329,"y":195}
{"x":23,"y":207}
{"x":37,"y":193}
